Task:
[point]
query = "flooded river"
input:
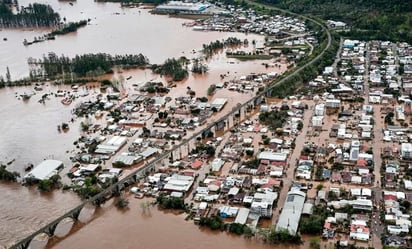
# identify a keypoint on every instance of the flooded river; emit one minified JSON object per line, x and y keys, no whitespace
{"x":152,"y":229}
{"x":29,"y":129}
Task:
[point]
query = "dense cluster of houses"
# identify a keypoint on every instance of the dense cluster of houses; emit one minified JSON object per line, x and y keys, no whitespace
{"x":364,"y":160}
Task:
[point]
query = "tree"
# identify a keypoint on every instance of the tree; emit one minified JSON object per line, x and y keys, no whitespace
{"x":275,"y":236}
{"x":300,"y":125}
{"x":173,"y":68}
{"x":198,"y":67}
{"x":48,"y":185}
{"x":388,"y":118}
{"x":236,"y":228}
{"x":8,"y":76}
{"x":6,"y":175}
{"x":122,"y":203}
{"x":211,"y":90}
{"x":312,"y":225}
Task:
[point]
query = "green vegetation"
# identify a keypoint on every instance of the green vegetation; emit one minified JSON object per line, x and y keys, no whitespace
{"x":122,"y":203}
{"x":203,"y":99}
{"x":48,"y":185}
{"x":89,"y":189}
{"x":34,"y":15}
{"x":240,"y":229}
{"x":61,"y":30}
{"x":134,"y":2}
{"x":211,"y":48}
{"x":84,"y":65}
{"x":204,"y":148}
{"x":289,"y":86}
{"x":198,"y":67}
{"x":214,"y":223}
{"x":245,"y":56}
{"x":274,"y":119}
{"x":314,"y":243}
{"x":274,"y":236}
{"x":389,"y":118}
{"x":211,"y":90}
{"x":251,"y":164}
{"x":367,"y":20}
{"x":6,"y":175}
{"x":68,"y":28}
{"x":314,"y":224}
{"x":168,"y":202}
{"x":172,"y":68}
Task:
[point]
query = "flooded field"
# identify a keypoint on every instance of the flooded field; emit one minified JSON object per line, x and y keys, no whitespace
{"x":29,"y":128}
{"x":112,"y":30}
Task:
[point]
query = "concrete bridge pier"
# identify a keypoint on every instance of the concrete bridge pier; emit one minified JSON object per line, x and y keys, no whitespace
{"x":87,"y":212}
{"x":39,"y":241}
{"x":171,"y":156}
{"x":64,"y":227}
{"x":220,"y":125}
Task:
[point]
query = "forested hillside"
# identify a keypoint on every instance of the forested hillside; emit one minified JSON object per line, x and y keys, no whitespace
{"x":369,"y":19}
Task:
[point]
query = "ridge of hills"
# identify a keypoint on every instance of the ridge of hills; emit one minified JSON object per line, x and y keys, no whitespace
{"x":367,"y":19}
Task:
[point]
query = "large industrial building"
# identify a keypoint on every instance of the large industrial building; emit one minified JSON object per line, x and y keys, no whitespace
{"x":45,"y":170}
{"x":292,"y":209}
{"x":181,"y":7}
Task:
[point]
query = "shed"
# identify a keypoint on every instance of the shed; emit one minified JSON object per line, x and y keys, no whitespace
{"x":307,"y":208}
{"x":242,"y":216}
{"x":217,"y":164}
{"x":149,"y":152}
{"x":233,"y":191}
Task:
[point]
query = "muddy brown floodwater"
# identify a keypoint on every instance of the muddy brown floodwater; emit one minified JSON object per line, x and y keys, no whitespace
{"x":29,"y":129}
{"x":152,"y":229}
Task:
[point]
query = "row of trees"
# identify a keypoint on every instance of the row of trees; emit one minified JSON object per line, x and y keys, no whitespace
{"x":132,"y":2}
{"x":34,"y":15}
{"x":289,"y":86}
{"x":274,"y":236}
{"x":209,"y":49}
{"x":68,"y":28}
{"x":84,"y":65}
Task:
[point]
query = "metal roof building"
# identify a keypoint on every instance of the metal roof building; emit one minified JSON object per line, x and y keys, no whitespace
{"x":291,"y":212}
{"x":179,"y":6}
{"x":218,"y":103}
{"x":242,"y":215}
{"x":179,"y":183}
{"x":45,"y":170}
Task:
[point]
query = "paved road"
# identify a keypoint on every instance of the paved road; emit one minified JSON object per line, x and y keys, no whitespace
{"x":290,"y":171}
{"x":301,"y":137}
{"x":366,"y":74}
{"x":337,"y":59}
